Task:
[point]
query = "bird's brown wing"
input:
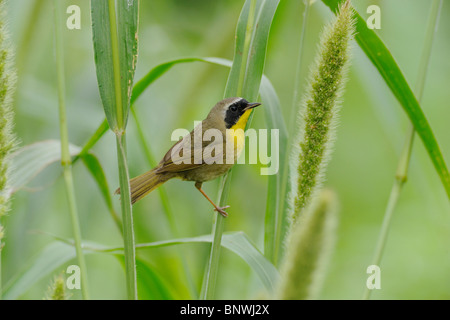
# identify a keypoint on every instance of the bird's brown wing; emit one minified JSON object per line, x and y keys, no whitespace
{"x":185,"y":161}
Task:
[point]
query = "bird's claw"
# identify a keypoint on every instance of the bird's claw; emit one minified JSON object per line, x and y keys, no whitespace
{"x":222,"y":211}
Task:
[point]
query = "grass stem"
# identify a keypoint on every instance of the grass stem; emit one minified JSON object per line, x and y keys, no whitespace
{"x":127,"y":219}
{"x":65,"y":154}
{"x":209,"y":281}
{"x":403,"y":163}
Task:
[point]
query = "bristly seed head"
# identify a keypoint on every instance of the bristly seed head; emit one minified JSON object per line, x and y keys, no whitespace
{"x":319,"y":110}
{"x":7,"y":86}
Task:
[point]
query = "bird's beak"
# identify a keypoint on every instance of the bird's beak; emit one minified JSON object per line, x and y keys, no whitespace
{"x":251,"y":106}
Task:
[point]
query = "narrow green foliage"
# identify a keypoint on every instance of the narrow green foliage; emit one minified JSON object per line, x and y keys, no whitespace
{"x":309,"y":249}
{"x":114,"y":29}
{"x":66,"y":161}
{"x":115,"y":37}
{"x":57,"y":289}
{"x":383,"y":60}
{"x":321,"y":105}
{"x":403,"y":163}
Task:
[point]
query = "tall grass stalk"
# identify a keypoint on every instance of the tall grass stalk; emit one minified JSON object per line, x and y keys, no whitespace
{"x":127,"y":219}
{"x":209,"y":281}
{"x":405,"y":156}
{"x":115,"y":37}
{"x":317,"y":119}
{"x":66,"y":160}
{"x":7,"y":138}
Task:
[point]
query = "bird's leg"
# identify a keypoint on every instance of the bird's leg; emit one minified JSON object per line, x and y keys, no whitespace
{"x":221,"y":210}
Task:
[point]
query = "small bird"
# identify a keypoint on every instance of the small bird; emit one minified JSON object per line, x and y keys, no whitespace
{"x":230,"y":113}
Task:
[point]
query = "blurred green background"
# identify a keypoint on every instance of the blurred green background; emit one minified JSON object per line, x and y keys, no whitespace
{"x":370,"y":136}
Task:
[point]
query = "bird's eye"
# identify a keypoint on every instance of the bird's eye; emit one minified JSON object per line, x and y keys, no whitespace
{"x":233,"y":108}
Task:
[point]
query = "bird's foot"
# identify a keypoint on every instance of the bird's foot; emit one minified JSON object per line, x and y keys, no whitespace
{"x":222,"y":211}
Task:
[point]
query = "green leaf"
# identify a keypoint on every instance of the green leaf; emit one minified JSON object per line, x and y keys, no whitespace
{"x":253,"y":64}
{"x":274,"y":218}
{"x":150,"y":284}
{"x":95,"y":168}
{"x":237,"y":242}
{"x":244,"y":80}
{"x":383,"y":60}
{"x":48,"y":260}
{"x":56,"y":254}
{"x":27,"y":162}
{"x":115,"y":51}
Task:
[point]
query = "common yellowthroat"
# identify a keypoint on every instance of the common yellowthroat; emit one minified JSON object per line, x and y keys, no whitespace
{"x":230,"y":113}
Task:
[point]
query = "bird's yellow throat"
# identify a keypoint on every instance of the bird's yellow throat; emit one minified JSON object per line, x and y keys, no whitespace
{"x":236,"y":133}
{"x":242,"y":122}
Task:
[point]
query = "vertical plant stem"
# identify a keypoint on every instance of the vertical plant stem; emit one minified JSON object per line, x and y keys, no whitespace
{"x":127,"y":219}
{"x":65,"y":154}
{"x":403,"y":163}
{"x":209,"y":282}
{"x":119,"y":130}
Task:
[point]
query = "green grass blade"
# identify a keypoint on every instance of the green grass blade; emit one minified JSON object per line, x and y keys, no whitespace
{"x":66,"y":159}
{"x":115,"y":51}
{"x":28,"y":161}
{"x":95,"y":168}
{"x":237,"y":242}
{"x":104,"y":59}
{"x":401,"y":174}
{"x":40,"y":266}
{"x":59,"y":253}
{"x":383,"y":60}
{"x":101,"y":130}
{"x":115,"y":26}
{"x":274,"y":217}
{"x":244,"y":80}
{"x":151,"y":285}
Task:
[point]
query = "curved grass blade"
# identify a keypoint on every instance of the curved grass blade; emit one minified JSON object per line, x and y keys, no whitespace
{"x":237,"y":242}
{"x":59,"y":253}
{"x":95,"y":168}
{"x":41,"y":266}
{"x":244,"y":80}
{"x":383,"y":60}
{"x":150,"y":284}
{"x":28,"y":161}
{"x":274,"y":219}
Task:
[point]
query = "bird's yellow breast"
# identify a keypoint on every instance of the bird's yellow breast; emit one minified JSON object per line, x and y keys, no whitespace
{"x":236,"y":133}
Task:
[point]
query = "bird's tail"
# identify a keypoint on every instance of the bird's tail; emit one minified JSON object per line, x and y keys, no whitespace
{"x":142,"y":185}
